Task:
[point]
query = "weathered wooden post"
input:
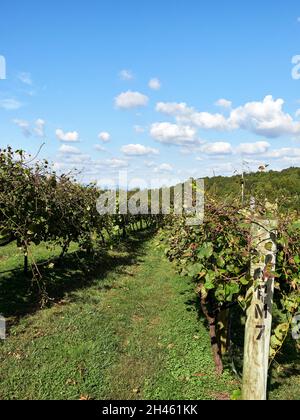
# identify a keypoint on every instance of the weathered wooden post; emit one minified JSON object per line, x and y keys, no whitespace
{"x":259,"y":314}
{"x":2,"y":328}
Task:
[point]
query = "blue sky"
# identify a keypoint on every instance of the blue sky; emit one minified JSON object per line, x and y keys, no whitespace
{"x":222,"y":90}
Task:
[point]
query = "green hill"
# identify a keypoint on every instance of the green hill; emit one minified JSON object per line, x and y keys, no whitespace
{"x":283,"y":187}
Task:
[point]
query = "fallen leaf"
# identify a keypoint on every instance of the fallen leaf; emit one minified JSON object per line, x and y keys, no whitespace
{"x":85,"y":398}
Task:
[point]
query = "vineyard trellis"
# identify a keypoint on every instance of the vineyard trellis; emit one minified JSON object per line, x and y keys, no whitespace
{"x":218,"y":256}
{"x":37,"y":205}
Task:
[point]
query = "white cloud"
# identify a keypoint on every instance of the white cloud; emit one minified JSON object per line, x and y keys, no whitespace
{"x":25,"y":78}
{"x":138,"y":150}
{"x":66,"y":149}
{"x":218,"y":148}
{"x":104,"y":136}
{"x":116,"y":163}
{"x":224,"y":168}
{"x":173,"y":108}
{"x":77,"y":159}
{"x":296,"y":67}
{"x":39,"y":128}
{"x":164,"y":167}
{"x":155,"y":84}
{"x":262,"y":118}
{"x":71,"y":136}
{"x":128,"y":100}
{"x":285,"y":152}
{"x":206,"y":121}
{"x":139,"y":129}
{"x":150,"y":164}
{"x":10,"y":104}
{"x":99,"y":148}
{"x":224,"y":103}
{"x":58,"y":166}
{"x":126,"y":75}
{"x":257,"y":148}
{"x":24,"y":126}
{"x":168,"y":133}
{"x":187,"y":115}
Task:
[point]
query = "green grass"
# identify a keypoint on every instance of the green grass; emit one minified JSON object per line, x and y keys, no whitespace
{"x":122,"y":326}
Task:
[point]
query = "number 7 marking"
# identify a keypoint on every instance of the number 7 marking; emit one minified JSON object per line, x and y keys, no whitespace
{"x":262,"y":329}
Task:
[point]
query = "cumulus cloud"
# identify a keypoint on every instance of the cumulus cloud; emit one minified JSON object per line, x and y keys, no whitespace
{"x":104,"y":136}
{"x":173,"y":108}
{"x":206,"y":121}
{"x":138,"y":150}
{"x":126,"y":75}
{"x":164,"y":167}
{"x":265,"y":118}
{"x":39,"y":128}
{"x":154,"y":84}
{"x":257,"y":148}
{"x":285,"y":152}
{"x":187,"y":115}
{"x":10,"y":104}
{"x":150,"y":164}
{"x":69,"y":137}
{"x":116,"y":163}
{"x":217,"y":148}
{"x":24,"y":126}
{"x":99,"y":148}
{"x":222,"y":168}
{"x":128,"y":100}
{"x":66,"y":149}
{"x":77,"y":159}
{"x":168,"y":133}
{"x":224,"y":103}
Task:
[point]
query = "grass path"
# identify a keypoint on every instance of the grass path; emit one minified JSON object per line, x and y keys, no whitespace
{"x":129,"y":331}
{"x":133,"y":334}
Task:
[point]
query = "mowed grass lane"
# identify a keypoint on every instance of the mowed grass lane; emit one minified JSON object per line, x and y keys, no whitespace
{"x":123,"y":327}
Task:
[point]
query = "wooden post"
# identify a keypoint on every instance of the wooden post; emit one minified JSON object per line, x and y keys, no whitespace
{"x":2,"y":328}
{"x":259,"y":314}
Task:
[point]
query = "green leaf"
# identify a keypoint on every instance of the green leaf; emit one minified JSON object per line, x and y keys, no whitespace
{"x":297,"y":259}
{"x":244,"y":281}
{"x":205,"y":251}
{"x":281,"y":331}
{"x":220,"y":262}
{"x":275,"y":342}
{"x":209,"y":280}
{"x":236,"y":395}
{"x":194,"y":270}
{"x":269,"y":246}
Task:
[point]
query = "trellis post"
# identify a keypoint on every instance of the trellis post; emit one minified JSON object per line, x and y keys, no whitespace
{"x":259,"y":314}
